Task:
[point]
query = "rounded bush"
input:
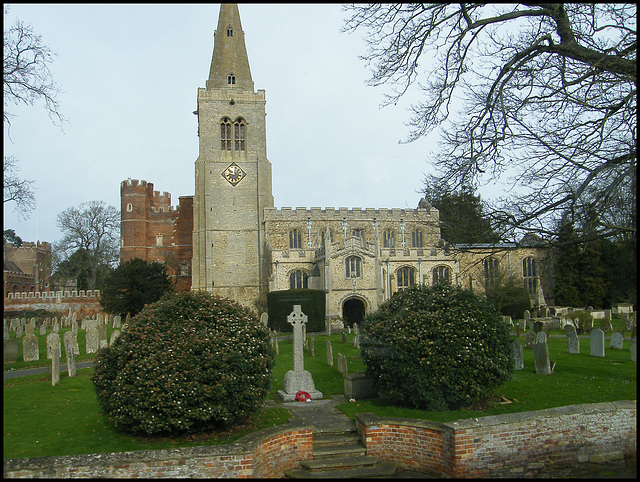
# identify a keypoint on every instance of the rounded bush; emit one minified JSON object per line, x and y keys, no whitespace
{"x":189,"y":362}
{"x":437,"y":348}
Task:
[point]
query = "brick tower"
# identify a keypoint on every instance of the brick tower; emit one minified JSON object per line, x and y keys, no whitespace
{"x":232,"y":173}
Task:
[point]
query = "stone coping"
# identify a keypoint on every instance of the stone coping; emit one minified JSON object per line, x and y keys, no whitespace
{"x":369,"y":419}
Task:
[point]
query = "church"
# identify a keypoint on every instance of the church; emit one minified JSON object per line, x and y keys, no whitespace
{"x":230,"y":239}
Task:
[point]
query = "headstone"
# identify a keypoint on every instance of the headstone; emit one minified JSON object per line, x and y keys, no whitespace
{"x":264,"y":319}
{"x":53,"y":341}
{"x":74,"y":326}
{"x":102,"y":335}
{"x":56,"y":327}
{"x":529,"y":339}
{"x":541,"y":337}
{"x":70,"y":338}
{"x":597,"y":342}
{"x":527,"y":315}
{"x":114,"y":336}
{"x":116,"y":321}
{"x":28,"y":329}
{"x":19,"y":331}
{"x":517,"y":355}
{"x":327,"y":326}
{"x":329,"y":353}
{"x":342,"y":364}
{"x":344,"y":337}
{"x":537,"y":326}
{"x":573,"y":342}
{"x":349,"y":329}
{"x":71,"y":357}
{"x":541,"y":357}
{"x":356,"y":341}
{"x":632,"y":349}
{"x":30,"y":350}
{"x":355,"y":328}
{"x":5,"y":332}
{"x":298,"y":378}
{"x":55,"y":365}
{"x":617,"y":341}
{"x":10,"y":350}
{"x":43,"y":329}
{"x":312,"y":344}
{"x":91,"y":336}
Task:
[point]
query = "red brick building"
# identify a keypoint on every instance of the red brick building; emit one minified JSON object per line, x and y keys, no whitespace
{"x":152,"y":230}
{"x":27,"y":269}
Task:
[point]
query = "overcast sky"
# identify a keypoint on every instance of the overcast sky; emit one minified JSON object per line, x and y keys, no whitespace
{"x":130,"y":75}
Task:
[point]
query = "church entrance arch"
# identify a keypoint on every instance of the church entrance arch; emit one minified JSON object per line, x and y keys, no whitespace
{"x":353,"y":311}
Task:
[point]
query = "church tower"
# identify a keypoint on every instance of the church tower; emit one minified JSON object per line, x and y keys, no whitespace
{"x":232,"y":173}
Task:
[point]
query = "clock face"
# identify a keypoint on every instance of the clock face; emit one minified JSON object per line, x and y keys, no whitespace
{"x":234,"y":174}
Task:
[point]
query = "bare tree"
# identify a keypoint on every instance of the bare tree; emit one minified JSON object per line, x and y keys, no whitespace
{"x":92,"y":227}
{"x":17,"y":190}
{"x":541,"y":97}
{"x":26,"y":76}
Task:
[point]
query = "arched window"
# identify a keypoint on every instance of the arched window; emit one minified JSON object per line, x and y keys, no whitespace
{"x":416,"y":239}
{"x":298,"y":280}
{"x":406,"y":277}
{"x":229,"y":32}
{"x":353,"y":267}
{"x":295,"y":239}
{"x":231,"y":79}
{"x":491,"y":272}
{"x":239,"y":134}
{"x":225,"y":134}
{"x":529,"y":275}
{"x":359,"y":233}
{"x":441,"y":274}
{"x":389,"y":240}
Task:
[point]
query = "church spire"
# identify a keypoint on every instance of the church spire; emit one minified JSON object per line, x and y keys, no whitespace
{"x":229,"y":63}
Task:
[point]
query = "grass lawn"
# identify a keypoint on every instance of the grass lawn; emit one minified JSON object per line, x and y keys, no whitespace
{"x":41,"y":420}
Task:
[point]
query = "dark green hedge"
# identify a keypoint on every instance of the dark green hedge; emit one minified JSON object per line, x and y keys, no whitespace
{"x":436,"y":348}
{"x":280,"y":305}
{"x":188,"y":363}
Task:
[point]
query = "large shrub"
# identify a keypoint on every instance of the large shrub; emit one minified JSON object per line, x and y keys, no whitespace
{"x":187,"y":363}
{"x":437,"y":348}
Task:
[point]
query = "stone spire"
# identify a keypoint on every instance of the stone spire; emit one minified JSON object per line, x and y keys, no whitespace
{"x":229,"y":64}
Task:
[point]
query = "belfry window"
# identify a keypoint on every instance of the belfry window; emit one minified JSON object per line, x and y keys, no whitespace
{"x":229,"y":32}
{"x":416,"y":239}
{"x":231,"y":79}
{"x":239,"y":134}
{"x":295,"y":239}
{"x":389,"y":240}
{"x":298,"y":280}
{"x":225,"y":134}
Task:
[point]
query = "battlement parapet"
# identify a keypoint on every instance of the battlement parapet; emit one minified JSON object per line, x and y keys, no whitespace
{"x":346,"y":214}
{"x":68,"y":296}
{"x":136,"y":183}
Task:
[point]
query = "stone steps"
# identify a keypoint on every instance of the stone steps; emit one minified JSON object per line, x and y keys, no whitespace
{"x":341,"y":455}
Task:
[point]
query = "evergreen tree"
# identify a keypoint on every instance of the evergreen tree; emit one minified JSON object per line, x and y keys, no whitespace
{"x":134,"y":284}
{"x":567,"y":266}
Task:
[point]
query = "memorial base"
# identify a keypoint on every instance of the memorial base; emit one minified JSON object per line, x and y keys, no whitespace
{"x":294,"y":381}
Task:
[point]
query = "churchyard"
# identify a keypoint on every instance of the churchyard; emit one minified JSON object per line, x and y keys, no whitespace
{"x":45,"y":420}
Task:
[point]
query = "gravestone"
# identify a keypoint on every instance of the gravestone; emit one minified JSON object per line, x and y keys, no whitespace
{"x":541,"y":337}
{"x":74,"y":326}
{"x":116,"y":321}
{"x":329,"y":353}
{"x":597,"y":342}
{"x":527,"y":315}
{"x":70,"y":338}
{"x":5,"y":332}
{"x":617,"y":341}
{"x":342,"y":364}
{"x":91,"y":336}
{"x":312,"y":344}
{"x":114,"y":336}
{"x":71,"y":358}
{"x":56,"y":327}
{"x":541,"y":357}
{"x":298,"y":378}
{"x":102,"y":335}
{"x":43,"y":329}
{"x":573,"y":342}
{"x":632,"y":349}
{"x":356,"y":341}
{"x":355,"y":328}
{"x":28,"y":329}
{"x":53,"y":342}
{"x":537,"y":326}
{"x":327,"y":326}
{"x":30,"y":350}
{"x":264,"y":319}
{"x":19,"y":331}
{"x":517,"y":355}
{"x":10,"y":350}
{"x":55,"y":365}
{"x":529,"y":339}
{"x":344,"y":337}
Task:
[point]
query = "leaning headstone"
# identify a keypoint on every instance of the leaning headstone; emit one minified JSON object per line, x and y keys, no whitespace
{"x":55,"y":365}
{"x":597,"y":342}
{"x":53,"y":341}
{"x":541,"y":357}
{"x":30,"y":350}
{"x":70,"y":338}
{"x":517,"y":355}
{"x":114,"y":336}
{"x":573,"y":342}
{"x":617,"y":341}
{"x":91,"y":336}
{"x":71,"y":357}
{"x":329,"y":353}
{"x":632,"y":349}
{"x":537,"y":326}
{"x":529,"y":339}
{"x":298,"y":378}
{"x":10,"y":350}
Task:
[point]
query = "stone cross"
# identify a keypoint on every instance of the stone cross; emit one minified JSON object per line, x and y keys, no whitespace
{"x":297,"y":319}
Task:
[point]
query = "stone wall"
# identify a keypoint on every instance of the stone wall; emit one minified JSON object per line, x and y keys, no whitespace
{"x":520,"y":444}
{"x":83,"y":304}
{"x":267,"y":453}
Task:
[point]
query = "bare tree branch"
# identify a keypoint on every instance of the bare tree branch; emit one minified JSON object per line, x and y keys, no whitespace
{"x":17,"y":190}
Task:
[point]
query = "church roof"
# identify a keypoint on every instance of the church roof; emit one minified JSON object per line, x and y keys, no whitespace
{"x":229,"y":63}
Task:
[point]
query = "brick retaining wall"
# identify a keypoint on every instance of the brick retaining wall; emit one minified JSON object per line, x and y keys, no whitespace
{"x":539,"y":443}
{"x":511,"y":445}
